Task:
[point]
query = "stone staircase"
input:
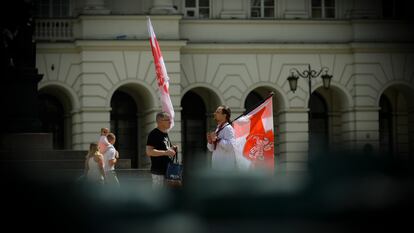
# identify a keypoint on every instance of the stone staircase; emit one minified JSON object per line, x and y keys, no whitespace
{"x":56,"y":159}
{"x":33,"y":156}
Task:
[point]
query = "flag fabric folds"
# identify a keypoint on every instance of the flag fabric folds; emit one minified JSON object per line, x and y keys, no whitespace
{"x":254,"y":138}
{"x":162,"y":76}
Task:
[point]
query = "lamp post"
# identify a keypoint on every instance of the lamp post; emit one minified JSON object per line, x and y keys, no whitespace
{"x":309,"y":74}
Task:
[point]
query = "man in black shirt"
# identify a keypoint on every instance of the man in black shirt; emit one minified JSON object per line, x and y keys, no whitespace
{"x":160,"y":149}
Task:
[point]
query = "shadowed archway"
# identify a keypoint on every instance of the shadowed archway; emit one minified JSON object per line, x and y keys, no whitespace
{"x":318,"y":126}
{"x":124,"y":126}
{"x":51,"y":114}
{"x":194,"y":131}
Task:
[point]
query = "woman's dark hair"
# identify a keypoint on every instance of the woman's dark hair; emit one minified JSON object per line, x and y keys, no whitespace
{"x":226,"y":110}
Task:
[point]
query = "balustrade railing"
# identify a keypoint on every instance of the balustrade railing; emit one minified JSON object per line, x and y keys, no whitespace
{"x":54,"y":29}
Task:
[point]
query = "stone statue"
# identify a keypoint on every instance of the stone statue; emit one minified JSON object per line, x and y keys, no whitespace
{"x":17,"y":45}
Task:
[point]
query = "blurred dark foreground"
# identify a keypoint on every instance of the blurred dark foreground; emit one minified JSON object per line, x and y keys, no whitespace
{"x":340,"y":193}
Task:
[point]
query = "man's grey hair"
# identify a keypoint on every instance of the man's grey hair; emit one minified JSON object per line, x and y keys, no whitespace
{"x":162,"y":115}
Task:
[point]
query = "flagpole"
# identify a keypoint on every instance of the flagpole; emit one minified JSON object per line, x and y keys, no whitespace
{"x":245,"y":113}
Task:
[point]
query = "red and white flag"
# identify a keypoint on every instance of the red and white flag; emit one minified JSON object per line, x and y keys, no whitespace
{"x":162,"y":76}
{"x":254,"y":138}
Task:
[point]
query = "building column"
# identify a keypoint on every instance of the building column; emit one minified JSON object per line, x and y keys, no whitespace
{"x":86,"y":125}
{"x":348,"y":130}
{"x":162,"y":7}
{"x":67,"y":129}
{"x":334,"y":131}
{"x":95,"y":7}
{"x":367,"y":129}
{"x":293,"y":141}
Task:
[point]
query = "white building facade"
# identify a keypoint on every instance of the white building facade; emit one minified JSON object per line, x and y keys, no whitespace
{"x":98,"y":72}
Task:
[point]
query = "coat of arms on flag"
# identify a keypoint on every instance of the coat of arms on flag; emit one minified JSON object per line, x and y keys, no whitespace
{"x":254,"y":138}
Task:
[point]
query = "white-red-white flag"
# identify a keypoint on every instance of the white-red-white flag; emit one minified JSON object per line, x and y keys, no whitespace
{"x":254,"y":138}
{"x":162,"y":76}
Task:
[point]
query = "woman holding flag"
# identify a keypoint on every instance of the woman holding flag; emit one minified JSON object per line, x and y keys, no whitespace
{"x":221,"y":141}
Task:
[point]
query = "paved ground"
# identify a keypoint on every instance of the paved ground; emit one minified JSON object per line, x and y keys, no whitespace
{"x":129,"y":177}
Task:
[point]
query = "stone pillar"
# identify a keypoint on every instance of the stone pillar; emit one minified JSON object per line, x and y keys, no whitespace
{"x":293,"y":141}
{"x":67,"y":130}
{"x":367,"y":129}
{"x":88,"y":123}
{"x":163,"y":7}
{"x":95,"y":7}
{"x":348,"y":130}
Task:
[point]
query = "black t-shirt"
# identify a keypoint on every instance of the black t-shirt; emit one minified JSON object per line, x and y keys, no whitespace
{"x":160,"y":141}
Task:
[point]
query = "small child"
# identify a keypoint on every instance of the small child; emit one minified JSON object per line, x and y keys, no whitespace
{"x":103,"y":142}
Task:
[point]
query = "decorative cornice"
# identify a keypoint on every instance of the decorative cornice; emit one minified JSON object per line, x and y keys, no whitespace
{"x":129,"y":17}
{"x":105,"y":45}
{"x":270,"y":48}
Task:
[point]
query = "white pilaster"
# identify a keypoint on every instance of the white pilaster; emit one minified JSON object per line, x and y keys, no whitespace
{"x":293,"y":141}
{"x":162,"y":7}
{"x":89,"y":122}
{"x":95,"y":7}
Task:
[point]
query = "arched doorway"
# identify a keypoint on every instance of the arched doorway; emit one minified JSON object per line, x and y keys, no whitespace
{"x":318,"y":126}
{"x":194,"y":132}
{"x":395,"y":122}
{"x":385,"y":126}
{"x":124,"y":126}
{"x":252,"y":100}
{"x":51,"y":113}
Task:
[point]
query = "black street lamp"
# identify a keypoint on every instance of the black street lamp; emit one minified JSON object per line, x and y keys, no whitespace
{"x":309,"y":74}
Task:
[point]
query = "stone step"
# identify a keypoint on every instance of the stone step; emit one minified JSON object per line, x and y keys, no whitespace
{"x":42,"y":154}
{"x":127,"y":177}
{"x":125,"y":174}
{"x":59,"y":163}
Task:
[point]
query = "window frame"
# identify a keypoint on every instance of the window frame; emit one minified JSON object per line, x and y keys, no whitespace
{"x":323,"y":9}
{"x":196,"y":10}
{"x":262,"y":10}
{"x":50,"y":11}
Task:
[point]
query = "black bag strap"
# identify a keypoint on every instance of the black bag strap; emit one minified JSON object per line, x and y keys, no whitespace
{"x":175,"y":159}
